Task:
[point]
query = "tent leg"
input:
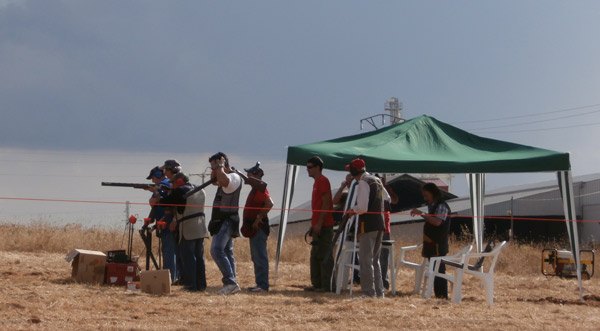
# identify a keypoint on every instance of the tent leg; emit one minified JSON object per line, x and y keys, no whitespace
{"x":477,"y":195}
{"x":565,"y":182}
{"x":291,"y":173}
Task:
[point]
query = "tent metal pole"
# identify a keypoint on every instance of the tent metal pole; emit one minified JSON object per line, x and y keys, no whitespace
{"x":283,"y":219}
{"x":477,"y":195}
{"x":565,"y":181}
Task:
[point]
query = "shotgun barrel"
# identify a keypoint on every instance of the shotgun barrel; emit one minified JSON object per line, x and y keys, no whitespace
{"x":199,"y":187}
{"x":134,"y":185}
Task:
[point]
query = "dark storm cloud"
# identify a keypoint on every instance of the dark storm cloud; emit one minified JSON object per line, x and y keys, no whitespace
{"x":253,"y":77}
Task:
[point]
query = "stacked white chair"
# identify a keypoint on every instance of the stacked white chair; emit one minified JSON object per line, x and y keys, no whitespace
{"x":419,"y":268}
{"x":462,"y":267}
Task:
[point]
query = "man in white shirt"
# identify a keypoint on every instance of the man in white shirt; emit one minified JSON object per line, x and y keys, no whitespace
{"x":370,"y":197}
{"x":225,"y":220}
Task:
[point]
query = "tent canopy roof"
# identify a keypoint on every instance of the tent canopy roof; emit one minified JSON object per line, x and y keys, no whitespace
{"x":426,"y":145}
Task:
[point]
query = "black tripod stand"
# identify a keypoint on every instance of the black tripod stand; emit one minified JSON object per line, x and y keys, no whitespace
{"x":146,"y":234}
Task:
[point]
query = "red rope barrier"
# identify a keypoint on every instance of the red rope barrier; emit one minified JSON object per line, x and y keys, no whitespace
{"x":282,"y":209}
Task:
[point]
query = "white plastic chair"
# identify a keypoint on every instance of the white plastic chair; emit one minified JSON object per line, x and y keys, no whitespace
{"x":477,"y":270}
{"x":419,"y":268}
{"x":434,"y":266}
{"x":346,"y":264}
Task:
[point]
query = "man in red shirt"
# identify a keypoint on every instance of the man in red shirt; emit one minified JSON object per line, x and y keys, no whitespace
{"x":256,"y":228}
{"x":321,"y":261}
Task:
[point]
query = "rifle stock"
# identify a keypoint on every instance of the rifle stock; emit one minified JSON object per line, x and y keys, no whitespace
{"x":257,"y":184}
{"x":342,"y":225}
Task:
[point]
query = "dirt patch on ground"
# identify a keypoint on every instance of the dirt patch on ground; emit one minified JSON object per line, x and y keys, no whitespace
{"x":588,"y":300}
{"x":37,"y":293}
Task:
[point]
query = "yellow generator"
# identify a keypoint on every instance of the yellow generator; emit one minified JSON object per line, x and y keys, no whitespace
{"x":560,"y":262}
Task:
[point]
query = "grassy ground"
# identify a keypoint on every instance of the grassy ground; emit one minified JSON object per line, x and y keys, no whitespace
{"x":37,"y":293}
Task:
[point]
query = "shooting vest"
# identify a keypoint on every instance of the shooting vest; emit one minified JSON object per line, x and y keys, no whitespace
{"x":192,"y":223}
{"x":226,"y":205}
{"x":373,"y":220}
{"x":435,"y":238}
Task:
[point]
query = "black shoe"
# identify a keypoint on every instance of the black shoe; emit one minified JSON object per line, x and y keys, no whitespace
{"x":312,"y":289}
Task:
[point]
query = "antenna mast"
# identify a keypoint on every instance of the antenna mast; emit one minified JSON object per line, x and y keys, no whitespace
{"x":394,"y":107}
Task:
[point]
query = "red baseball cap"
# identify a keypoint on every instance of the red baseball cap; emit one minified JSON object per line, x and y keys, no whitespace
{"x":358,"y":164}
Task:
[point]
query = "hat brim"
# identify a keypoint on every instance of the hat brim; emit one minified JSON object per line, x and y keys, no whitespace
{"x":347,"y":167}
{"x":149,"y":177}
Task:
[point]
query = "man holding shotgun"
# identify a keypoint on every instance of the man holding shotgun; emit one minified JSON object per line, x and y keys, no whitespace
{"x":225,"y":220}
{"x":189,"y":226}
{"x":256,"y":226}
{"x":158,"y":212}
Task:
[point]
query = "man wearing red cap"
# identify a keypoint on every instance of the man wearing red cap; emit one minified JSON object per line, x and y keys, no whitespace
{"x":370,"y":198}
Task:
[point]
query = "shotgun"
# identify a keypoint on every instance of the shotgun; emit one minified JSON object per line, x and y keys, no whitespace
{"x":134,"y":185}
{"x":255,"y":183}
{"x":199,"y":187}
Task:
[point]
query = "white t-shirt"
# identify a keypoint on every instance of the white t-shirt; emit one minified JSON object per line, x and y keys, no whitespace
{"x":234,"y":183}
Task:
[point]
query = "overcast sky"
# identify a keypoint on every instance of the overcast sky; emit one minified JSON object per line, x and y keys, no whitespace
{"x":252,"y":77}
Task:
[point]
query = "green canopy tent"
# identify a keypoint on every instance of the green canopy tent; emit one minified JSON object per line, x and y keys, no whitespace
{"x":426,"y":145}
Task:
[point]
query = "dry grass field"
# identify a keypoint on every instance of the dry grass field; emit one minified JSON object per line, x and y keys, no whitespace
{"x":36,"y":293}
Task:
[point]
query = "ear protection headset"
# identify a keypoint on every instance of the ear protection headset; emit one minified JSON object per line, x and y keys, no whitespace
{"x":180,"y":182}
{"x":158,"y":174}
{"x":218,"y":156}
{"x":355,"y":172}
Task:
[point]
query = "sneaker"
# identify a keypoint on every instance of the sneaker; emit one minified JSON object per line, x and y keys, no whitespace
{"x":252,"y":288}
{"x":381,"y":296}
{"x":236,"y":289}
{"x":229,"y":289}
{"x":258,"y":290}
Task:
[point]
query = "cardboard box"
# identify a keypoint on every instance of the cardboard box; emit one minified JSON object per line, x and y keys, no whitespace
{"x":88,"y":266}
{"x":156,"y":281}
{"x":121,"y":273}
{"x":134,"y":286}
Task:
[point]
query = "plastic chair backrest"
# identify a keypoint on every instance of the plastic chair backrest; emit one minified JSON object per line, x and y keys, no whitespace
{"x":490,"y":246}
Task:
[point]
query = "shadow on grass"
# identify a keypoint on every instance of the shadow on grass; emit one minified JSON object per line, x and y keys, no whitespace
{"x":588,"y":300}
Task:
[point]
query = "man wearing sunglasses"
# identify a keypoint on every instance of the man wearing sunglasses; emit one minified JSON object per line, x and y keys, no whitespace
{"x":225,"y":220}
{"x":321,"y":262}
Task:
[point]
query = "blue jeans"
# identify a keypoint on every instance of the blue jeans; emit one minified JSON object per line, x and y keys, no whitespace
{"x":221,"y":250}
{"x":192,"y":255}
{"x":168,"y":252}
{"x":260,"y":258}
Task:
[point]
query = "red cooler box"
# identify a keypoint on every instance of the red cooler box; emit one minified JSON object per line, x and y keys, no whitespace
{"x":121,"y":273}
